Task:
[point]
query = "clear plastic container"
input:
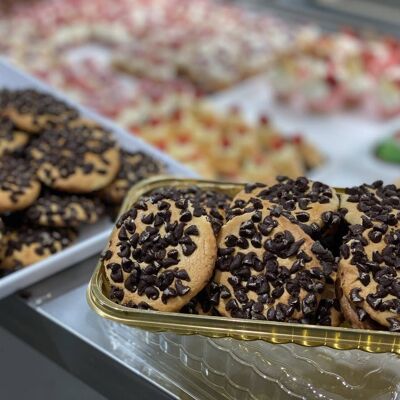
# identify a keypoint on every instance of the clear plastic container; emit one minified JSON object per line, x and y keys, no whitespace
{"x":252,"y":370}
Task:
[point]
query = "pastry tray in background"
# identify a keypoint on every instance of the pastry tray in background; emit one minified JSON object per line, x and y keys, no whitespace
{"x":92,"y":238}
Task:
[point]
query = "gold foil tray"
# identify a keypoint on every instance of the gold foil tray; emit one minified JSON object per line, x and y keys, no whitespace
{"x":242,"y":329}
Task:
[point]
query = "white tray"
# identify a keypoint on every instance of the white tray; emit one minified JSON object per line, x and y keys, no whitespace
{"x":91,"y":239}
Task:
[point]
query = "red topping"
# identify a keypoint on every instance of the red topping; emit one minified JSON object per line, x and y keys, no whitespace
{"x":160,"y":144}
{"x":277,"y":143}
{"x":297,"y":139}
{"x":184,"y":138}
{"x":264,"y":119}
{"x":226,"y":142}
{"x":176,"y":115}
{"x":154,"y":121}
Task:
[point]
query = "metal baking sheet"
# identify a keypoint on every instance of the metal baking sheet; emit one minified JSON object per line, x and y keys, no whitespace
{"x":92,"y":238}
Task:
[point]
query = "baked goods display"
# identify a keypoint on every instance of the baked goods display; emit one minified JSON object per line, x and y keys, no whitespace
{"x":191,"y":49}
{"x":290,"y":251}
{"x":225,"y":145}
{"x":54,"y":165}
{"x":327,"y":72}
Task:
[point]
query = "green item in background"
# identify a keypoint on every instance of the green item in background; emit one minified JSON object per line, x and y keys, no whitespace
{"x":389,"y":149}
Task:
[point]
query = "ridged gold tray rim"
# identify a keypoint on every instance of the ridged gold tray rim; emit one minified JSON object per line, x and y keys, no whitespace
{"x":218,"y":327}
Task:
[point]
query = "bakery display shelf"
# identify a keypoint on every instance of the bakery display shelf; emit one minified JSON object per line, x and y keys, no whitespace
{"x":91,"y":239}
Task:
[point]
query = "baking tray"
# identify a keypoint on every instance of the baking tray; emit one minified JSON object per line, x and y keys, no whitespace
{"x":243,"y":329}
{"x":91,"y":238}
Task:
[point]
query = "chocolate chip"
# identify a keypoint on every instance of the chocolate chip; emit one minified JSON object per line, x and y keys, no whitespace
{"x":231,"y":241}
{"x":192,"y":230}
{"x":361,"y":314}
{"x":186,"y":216}
{"x":151,"y":292}
{"x":394,"y":324}
{"x":355,"y":295}
{"x":116,"y":294}
{"x":309,"y":304}
{"x":167,"y":294}
{"x":148,"y":219}
{"x":374,"y":302}
{"x":183,"y":275}
{"x":181,"y":290}
{"x":188,"y":249}
{"x":302,"y":216}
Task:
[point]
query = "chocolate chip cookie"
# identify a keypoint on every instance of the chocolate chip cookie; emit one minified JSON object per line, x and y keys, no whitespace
{"x":268,"y":268}
{"x":369,"y":277}
{"x":64,"y":210}
{"x":11,"y":139}
{"x":26,"y":245}
{"x":161,"y":254}
{"x":81,"y":159}
{"x":312,"y":205}
{"x":19,"y":186}
{"x":33,"y":111}
{"x":377,"y":202}
{"x":135,"y":166}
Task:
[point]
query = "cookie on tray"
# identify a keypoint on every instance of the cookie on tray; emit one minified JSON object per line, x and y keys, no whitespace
{"x":27,"y":245}
{"x":161,"y":254}
{"x":56,"y":209}
{"x":33,"y":111}
{"x":376,"y":202}
{"x":19,"y":186}
{"x":135,"y":166}
{"x":11,"y":139}
{"x":78,"y":159}
{"x":369,"y":277}
{"x":268,"y":268}
{"x":312,"y":205}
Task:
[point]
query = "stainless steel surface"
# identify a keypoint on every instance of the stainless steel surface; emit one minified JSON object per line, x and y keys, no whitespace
{"x":56,"y":320}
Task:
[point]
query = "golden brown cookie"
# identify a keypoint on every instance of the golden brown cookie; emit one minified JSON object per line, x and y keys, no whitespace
{"x":369,"y":276}
{"x":19,"y":187}
{"x":377,"y":202}
{"x":11,"y":139}
{"x":135,"y":166}
{"x":312,"y":205}
{"x":268,"y":268}
{"x":26,"y":245}
{"x":161,"y":254}
{"x":33,"y":111}
{"x":81,"y":159}
{"x":64,"y":210}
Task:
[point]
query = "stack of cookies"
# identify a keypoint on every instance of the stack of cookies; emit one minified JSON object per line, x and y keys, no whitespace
{"x":57,"y":172}
{"x":292,"y":251}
